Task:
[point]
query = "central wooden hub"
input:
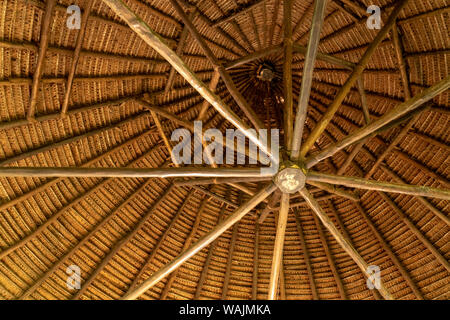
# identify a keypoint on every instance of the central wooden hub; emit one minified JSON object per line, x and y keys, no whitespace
{"x":290,"y":179}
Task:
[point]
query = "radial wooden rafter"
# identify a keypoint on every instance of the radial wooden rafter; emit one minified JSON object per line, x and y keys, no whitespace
{"x":360,"y":183}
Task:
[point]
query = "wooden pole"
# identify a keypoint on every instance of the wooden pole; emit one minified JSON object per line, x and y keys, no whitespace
{"x":344,"y":232}
{"x":45,"y":28}
{"x":253,"y":56}
{"x":216,"y":197}
{"x":344,"y":243}
{"x":179,"y":51}
{"x":237,"y":13}
{"x":330,"y":258}
{"x":161,"y":240}
{"x":278,"y":247}
{"x":307,"y":76}
{"x":226,"y":281}
{"x":123,"y":241}
{"x":354,"y":182}
{"x":157,"y":43}
{"x":55,"y":216}
{"x":269,"y":207}
{"x":187,"y":244}
{"x":367,"y":119}
{"x":201,"y":181}
{"x":395,"y":113}
{"x":337,"y":191}
{"x":128,"y":172}
{"x":240,"y":100}
{"x":312,"y":284}
{"x":76,"y":57}
{"x":203,"y":242}
{"x":386,"y":247}
{"x":255,"y":263}
{"x":407,"y":221}
{"x":288,"y":114}
{"x":212,"y":86}
{"x":320,"y":127}
{"x":209,"y":257}
{"x":422,"y":200}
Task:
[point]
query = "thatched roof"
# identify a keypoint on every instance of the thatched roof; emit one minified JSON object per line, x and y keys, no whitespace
{"x":91,"y":98}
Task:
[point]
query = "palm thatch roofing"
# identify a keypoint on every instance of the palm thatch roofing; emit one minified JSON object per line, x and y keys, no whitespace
{"x":105,"y":96}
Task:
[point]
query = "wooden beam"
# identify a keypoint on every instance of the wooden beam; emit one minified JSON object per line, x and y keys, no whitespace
{"x":155,"y":41}
{"x":45,"y":28}
{"x":288,"y":111}
{"x":55,"y":216}
{"x":406,"y":220}
{"x":201,"y":181}
{"x":330,"y":259}
{"x":367,"y":119}
{"x":226,"y":281}
{"x":205,"y":268}
{"x":163,"y":135}
{"x":187,"y":244}
{"x":337,"y":191}
{"x":76,"y":57}
{"x":240,"y":100}
{"x":128,"y":172}
{"x":123,"y":241}
{"x":237,"y":12}
{"x":203,"y":242}
{"x":354,"y":182}
{"x":67,"y":141}
{"x":422,"y":200}
{"x":401,"y":62}
{"x":344,"y":243}
{"x":161,"y":241}
{"x":269,"y":207}
{"x":179,"y":51}
{"x":212,"y":86}
{"x":390,"y":253}
{"x":344,"y":232}
{"x":277,"y":259}
{"x":274,"y":21}
{"x":307,"y":75}
{"x":86,"y":238}
{"x":395,"y":113}
{"x":320,"y":127}
{"x":253,"y":56}
{"x":216,"y":197}
{"x":312,"y":284}
{"x":255,"y":263}
{"x":332,"y":59}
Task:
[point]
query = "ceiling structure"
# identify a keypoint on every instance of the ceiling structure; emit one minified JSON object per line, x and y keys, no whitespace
{"x":88,"y":183}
